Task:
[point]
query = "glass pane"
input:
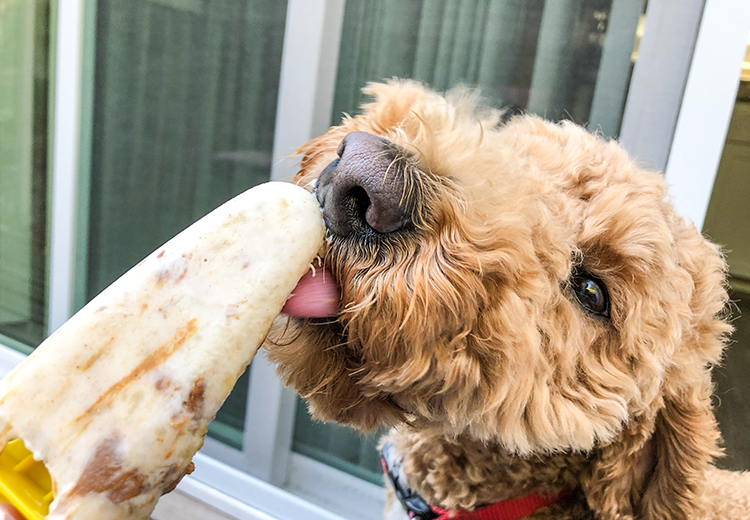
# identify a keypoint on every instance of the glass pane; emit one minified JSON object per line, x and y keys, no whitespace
{"x":337,"y":446}
{"x":24,"y":78}
{"x":562,"y":59}
{"x":728,"y":223}
{"x":184,"y":113}
{"x":567,"y":59}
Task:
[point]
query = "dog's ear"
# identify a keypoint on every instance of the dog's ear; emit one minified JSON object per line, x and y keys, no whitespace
{"x":656,"y":467}
{"x":686,"y":441}
{"x":617,"y":476}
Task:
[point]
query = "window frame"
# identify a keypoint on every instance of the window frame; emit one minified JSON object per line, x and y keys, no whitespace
{"x":707,"y":106}
{"x":675,"y":120}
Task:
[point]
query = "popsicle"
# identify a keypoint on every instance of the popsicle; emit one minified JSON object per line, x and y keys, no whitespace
{"x":117,"y":401}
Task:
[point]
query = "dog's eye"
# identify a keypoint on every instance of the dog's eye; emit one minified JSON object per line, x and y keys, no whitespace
{"x":590,"y":293}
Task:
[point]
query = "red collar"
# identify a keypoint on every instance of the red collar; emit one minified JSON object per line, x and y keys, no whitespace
{"x":418,"y":508}
{"x":511,"y":509}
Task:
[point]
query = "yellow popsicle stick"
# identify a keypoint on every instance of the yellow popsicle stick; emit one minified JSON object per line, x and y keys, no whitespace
{"x":25,"y":482}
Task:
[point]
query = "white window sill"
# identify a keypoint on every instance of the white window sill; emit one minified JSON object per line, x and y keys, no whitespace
{"x":178,"y":505}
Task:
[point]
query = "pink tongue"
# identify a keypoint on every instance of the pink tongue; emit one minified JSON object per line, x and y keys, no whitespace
{"x":314,"y":297}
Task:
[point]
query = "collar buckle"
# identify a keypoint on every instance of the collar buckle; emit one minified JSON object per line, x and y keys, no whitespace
{"x":415,"y":505}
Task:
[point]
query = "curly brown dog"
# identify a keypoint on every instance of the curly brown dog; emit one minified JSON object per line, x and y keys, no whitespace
{"x":520,"y":302}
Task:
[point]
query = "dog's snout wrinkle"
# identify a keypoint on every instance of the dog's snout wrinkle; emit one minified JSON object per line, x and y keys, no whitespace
{"x":362,"y":191}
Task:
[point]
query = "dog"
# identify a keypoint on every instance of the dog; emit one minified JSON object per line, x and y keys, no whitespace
{"x":521,"y":304}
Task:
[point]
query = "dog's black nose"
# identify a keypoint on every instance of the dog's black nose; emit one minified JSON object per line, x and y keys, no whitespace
{"x":363,"y":190}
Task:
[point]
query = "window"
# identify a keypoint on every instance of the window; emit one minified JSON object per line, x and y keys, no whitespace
{"x":183,"y":120}
{"x":570,"y":59}
{"x":24,"y":79}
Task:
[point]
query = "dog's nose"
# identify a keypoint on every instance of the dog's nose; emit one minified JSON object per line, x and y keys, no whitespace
{"x":363,"y":190}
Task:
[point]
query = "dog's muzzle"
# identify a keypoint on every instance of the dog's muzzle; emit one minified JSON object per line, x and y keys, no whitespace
{"x":362,"y":192}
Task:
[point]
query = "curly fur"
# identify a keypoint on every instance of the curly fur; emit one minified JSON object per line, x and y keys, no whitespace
{"x":462,"y":330}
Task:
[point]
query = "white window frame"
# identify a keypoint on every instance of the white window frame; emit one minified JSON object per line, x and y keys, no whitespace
{"x":65,"y":144}
{"x":676,"y":117}
{"x":680,"y":101}
{"x":707,"y":106}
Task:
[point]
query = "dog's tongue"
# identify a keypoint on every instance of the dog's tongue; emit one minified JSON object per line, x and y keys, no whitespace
{"x":316,"y":296}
